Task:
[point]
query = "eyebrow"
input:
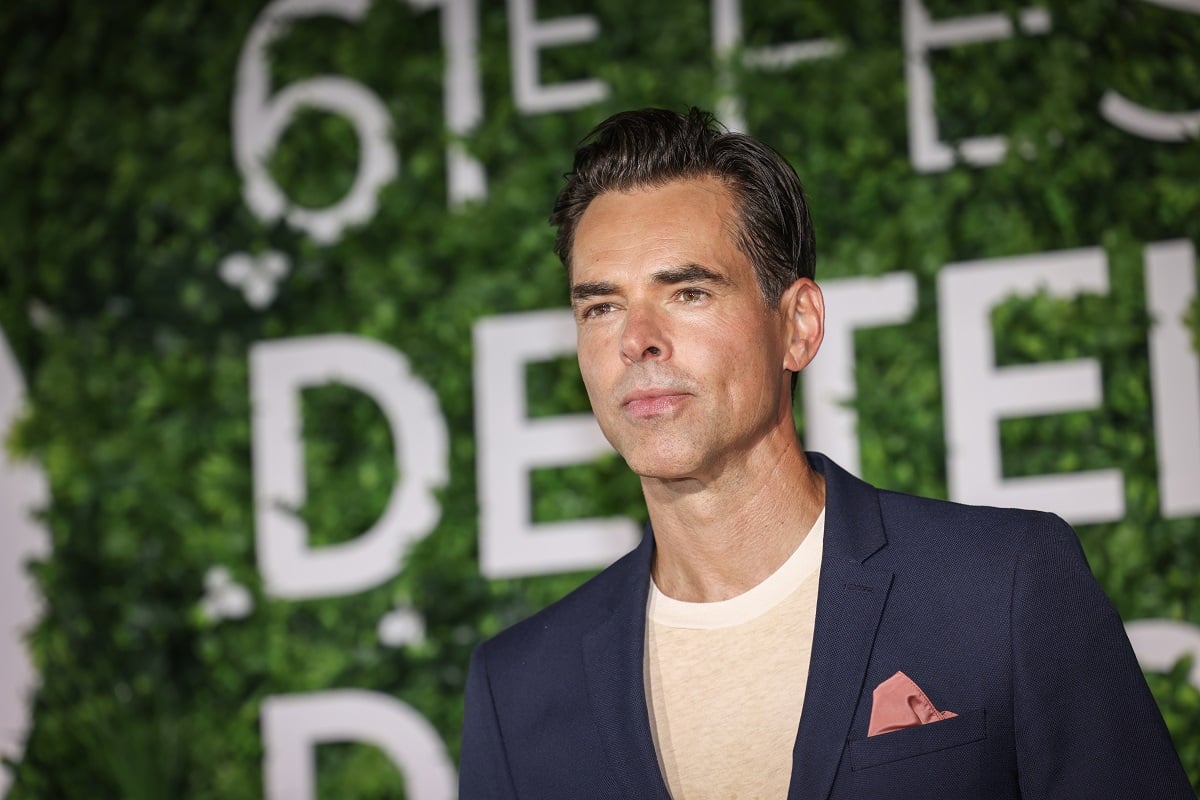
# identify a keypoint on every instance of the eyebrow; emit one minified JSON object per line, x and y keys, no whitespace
{"x":687,"y":273}
{"x":589,"y":289}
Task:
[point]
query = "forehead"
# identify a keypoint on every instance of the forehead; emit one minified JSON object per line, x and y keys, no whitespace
{"x":686,"y":221}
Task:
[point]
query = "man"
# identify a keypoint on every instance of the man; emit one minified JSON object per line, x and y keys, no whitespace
{"x":784,"y":629}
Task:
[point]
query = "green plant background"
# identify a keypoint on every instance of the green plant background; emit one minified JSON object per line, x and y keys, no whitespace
{"x":121,"y":198}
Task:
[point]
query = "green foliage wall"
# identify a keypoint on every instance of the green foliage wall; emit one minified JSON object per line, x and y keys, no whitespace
{"x":121,"y":199}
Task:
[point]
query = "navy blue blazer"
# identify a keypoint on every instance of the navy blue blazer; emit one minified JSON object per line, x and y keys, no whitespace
{"x":993,"y":612}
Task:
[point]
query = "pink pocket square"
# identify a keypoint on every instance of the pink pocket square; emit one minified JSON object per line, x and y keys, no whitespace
{"x":899,"y":703}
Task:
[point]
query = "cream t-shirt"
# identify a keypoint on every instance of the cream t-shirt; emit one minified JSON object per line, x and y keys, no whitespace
{"x":725,"y":681}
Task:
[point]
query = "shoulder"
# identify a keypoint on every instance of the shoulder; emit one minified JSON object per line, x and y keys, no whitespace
{"x":560,"y":627}
{"x":977,"y":539}
{"x":905,"y":513}
{"x":865,"y":522}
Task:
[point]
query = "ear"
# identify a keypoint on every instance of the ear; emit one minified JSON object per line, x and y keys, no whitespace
{"x":803,"y":307}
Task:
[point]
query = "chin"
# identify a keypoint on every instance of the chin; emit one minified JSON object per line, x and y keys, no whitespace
{"x":662,"y":466}
{"x":657,"y":454}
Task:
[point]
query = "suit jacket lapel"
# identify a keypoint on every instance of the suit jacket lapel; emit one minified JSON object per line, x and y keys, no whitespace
{"x":850,"y":602}
{"x":613,"y":654}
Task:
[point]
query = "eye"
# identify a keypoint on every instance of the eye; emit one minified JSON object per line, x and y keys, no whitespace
{"x":597,"y":310}
{"x":692,"y":295}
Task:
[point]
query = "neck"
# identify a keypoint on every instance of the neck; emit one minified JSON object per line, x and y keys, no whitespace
{"x":716,"y":539}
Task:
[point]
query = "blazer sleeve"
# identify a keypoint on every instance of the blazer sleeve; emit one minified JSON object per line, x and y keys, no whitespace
{"x":483,"y":768}
{"x":1086,"y":723}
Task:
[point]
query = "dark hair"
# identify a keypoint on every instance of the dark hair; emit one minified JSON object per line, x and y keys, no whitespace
{"x":653,"y":146}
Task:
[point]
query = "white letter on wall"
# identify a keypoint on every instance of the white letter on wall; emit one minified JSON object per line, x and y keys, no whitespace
{"x":1175,"y":376}
{"x":279,"y":370}
{"x":977,"y":394}
{"x":1160,"y":126}
{"x":727,"y":38}
{"x":511,"y":444}
{"x":293,"y":726}
{"x":526,"y":38}
{"x":259,"y":120}
{"x":921,"y":35}
{"x":1160,"y":643}
{"x":461,"y":95}
{"x":23,"y":491}
{"x":830,"y":423}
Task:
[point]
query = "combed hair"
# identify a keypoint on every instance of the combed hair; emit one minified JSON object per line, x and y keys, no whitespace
{"x":651,"y":147}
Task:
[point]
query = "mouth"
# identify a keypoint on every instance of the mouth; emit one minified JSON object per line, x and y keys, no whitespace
{"x":647,"y":403}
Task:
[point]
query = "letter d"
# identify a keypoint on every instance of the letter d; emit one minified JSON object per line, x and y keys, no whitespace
{"x":279,"y":370}
{"x":294,"y":725}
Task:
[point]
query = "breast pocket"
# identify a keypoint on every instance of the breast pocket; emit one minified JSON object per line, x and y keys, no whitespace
{"x":921,"y":740}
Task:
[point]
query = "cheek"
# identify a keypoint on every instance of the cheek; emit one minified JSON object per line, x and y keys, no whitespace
{"x":747,"y":364}
{"x":590,"y":364}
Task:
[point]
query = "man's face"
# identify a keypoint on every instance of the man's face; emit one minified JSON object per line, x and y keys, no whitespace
{"x":682,"y":359}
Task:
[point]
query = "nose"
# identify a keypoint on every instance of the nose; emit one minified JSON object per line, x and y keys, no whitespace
{"x":643,"y":337}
